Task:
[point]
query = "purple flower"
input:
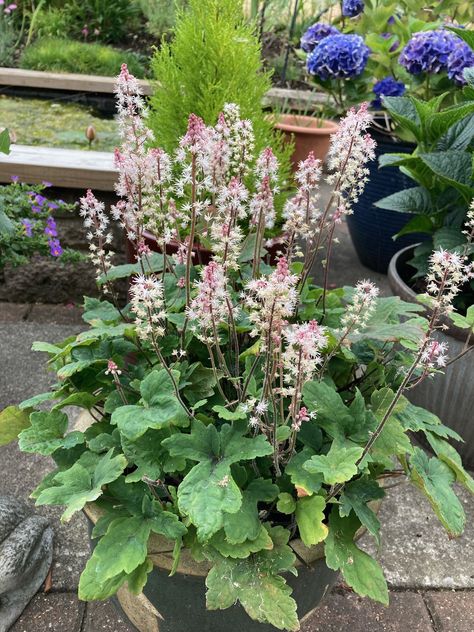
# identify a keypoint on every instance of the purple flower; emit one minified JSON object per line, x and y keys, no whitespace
{"x":352,"y":8}
{"x":338,"y":57}
{"x":428,"y":51}
{"x":36,"y":209}
{"x":461,"y":58}
{"x":15,"y":179}
{"x":55,"y":247}
{"x":47,"y":184}
{"x":28,"y":226}
{"x":387,"y":87}
{"x":52,"y":205}
{"x":316,"y":34}
{"x":39,"y":199}
{"x":50,"y":228}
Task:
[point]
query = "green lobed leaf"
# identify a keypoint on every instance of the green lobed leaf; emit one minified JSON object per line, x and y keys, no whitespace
{"x":13,"y":421}
{"x":337,"y":466}
{"x":133,"y":421}
{"x":304,"y":482}
{"x":449,"y":455}
{"x":45,"y":433}
{"x":245,"y":525}
{"x":359,"y":569}
{"x":241,"y":549}
{"x":355,"y":497}
{"x":255,"y":583}
{"x":83,"y":482}
{"x":434,"y":478}
{"x":286,"y":503}
{"x":310,"y":519}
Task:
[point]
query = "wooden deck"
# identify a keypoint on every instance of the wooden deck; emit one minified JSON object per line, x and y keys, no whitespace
{"x":69,"y":168}
{"x":18,"y":78}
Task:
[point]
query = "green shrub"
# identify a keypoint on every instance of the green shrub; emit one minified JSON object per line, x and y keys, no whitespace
{"x":52,"y":22}
{"x":160,"y":15}
{"x":214,"y":58}
{"x":62,"y":55}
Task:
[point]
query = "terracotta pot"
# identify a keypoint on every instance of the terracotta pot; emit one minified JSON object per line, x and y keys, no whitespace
{"x":308,"y":133}
{"x":450,"y":396}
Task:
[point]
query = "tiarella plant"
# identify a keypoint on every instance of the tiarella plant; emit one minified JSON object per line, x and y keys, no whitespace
{"x":237,"y":409}
{"x":27,"y":224}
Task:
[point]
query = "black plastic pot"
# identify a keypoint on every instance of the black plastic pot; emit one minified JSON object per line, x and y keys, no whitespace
{"x":450,"y":396}
{"x":371,"y":228}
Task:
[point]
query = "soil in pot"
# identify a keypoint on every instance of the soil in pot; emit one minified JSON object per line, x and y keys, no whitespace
{"x":450,"y":396}
{"x":372,"y":229}
{"x":308,"y":133}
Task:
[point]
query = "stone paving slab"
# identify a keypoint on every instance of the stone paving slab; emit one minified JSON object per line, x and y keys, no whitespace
{"x":102,"y":616}
{"x":451,"y":611}
{"x":51,"y":613}
{"x":57,"y":314}
{"x":416,"y":551}
{"x":348,"y":612}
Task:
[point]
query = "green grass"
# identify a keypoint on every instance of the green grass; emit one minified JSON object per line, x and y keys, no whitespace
{"x":62,"y":55}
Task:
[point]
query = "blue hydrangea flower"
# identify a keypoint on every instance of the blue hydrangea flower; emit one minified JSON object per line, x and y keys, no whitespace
{"x":351,"y":8}
{"x":462,"y":57}
{"x":387,"y":87}
{"x":316,"y":34}
{"x":338,"y":57}
{"x":428,"y":51}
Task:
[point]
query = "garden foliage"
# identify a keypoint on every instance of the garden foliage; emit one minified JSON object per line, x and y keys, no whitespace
{"x":238,"y":406}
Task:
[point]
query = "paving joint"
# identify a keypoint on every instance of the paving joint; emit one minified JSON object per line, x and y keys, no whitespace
{"x":428,"y":607}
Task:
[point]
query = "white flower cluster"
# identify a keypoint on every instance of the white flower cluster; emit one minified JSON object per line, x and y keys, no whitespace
{"x":363,"y":305}
{"x":271,"y":301}
{"x":147,"y":304}
{"x":301,"y":211}
{"x":239,"y":136}
{"x":447,"y":274}
{"x":98,"y":235}
{"x":210,"y":305}
{"x":350,"y":149}
{"x":302,"y":354}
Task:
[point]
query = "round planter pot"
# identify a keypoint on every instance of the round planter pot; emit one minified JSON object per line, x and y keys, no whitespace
{"x":371,"y":228}
{"x":450,"y":396}
{"x":178,"y":603}
{"x":308,"y":134}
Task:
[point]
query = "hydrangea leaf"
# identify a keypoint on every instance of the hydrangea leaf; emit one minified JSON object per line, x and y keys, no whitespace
{"x":12,"y":422}
{"x":241,"y":549}
{"x":360,"y":570}
{"x":255,"y":583}
{"x":337,"y":466}
{"x":355,"y":497}
{"x":82,"y":483}
{"x":245,"y":525}
{"x":309,"y":518}
{"x":449,"y":455}
{"x":45,"y":434}
{"x":434,"y":478}
{"x":305,"y":483}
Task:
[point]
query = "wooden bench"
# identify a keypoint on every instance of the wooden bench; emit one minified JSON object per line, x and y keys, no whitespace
{"x":69,"y":168}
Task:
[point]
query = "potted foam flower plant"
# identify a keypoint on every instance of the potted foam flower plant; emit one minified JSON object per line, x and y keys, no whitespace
{"x":240,"y":419}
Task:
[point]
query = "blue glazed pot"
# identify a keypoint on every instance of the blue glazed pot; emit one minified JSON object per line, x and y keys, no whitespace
{"x":371,"y":228}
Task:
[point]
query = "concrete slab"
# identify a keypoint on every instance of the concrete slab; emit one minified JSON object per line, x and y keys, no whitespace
{"x":69,"y":314}
{"x":347,"y":612}
{"x":451,"y":611}
{"x":416,"y":551}
{"x":104,"y":617}
{"x":51,"y":613}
